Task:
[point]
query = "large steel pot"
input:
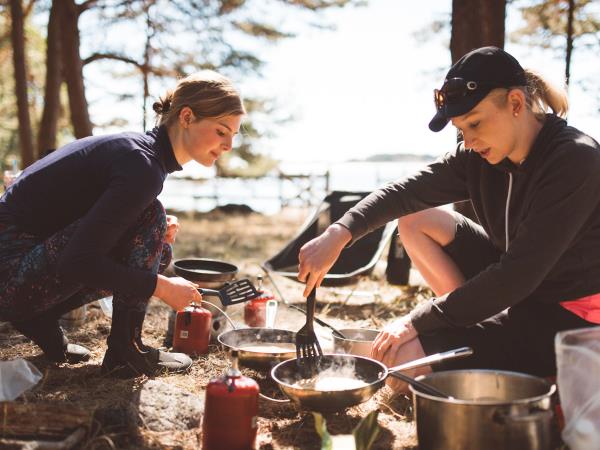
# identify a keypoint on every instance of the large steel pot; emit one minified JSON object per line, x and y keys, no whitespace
{"x":490,"y":410}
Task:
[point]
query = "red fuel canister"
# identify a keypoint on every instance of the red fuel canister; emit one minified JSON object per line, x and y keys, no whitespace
{"x":192,"y":330}
{"x":230,"y":411}
{"x":255,"y":311}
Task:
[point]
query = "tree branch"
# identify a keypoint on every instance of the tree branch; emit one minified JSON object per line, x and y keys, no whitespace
{"x":82,"y":7}
{"x":28,"y":8}
{"x":98,"y":56}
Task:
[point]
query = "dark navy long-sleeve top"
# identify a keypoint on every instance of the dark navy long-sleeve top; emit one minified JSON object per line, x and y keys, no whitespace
{"x":105,"y":182}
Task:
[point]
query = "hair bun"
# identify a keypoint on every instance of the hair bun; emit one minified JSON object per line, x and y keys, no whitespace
{"x":162,"y":106}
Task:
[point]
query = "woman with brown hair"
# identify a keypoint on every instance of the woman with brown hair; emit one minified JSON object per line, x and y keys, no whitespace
{"x":531,"y":267}
{"x":85,"y":221}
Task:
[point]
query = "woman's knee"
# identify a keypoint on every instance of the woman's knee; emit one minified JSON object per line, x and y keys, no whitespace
{"x":437,"y":224}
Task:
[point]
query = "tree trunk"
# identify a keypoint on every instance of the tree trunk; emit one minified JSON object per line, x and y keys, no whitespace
{"x":48,"y":124}
{"x":146,"y":66}
{"x":20,"y":70}
{"x":475,"y":23}
{"x":73,"y":69}
{"x":569,"y":53}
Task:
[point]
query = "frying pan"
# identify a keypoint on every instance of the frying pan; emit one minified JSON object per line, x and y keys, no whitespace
{"x":208,"y":273}
{"x":373,"y":373}
{"x":243,"y":337}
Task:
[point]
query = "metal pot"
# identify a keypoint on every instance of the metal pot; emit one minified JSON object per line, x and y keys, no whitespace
{"x":357,"y":342}
{"x":490,"y":410}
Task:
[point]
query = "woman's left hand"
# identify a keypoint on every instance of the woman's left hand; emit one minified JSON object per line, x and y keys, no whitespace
{"x":391,"y":339}
{"x":172,"y":229}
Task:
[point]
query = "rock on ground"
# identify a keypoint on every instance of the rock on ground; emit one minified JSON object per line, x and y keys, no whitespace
{"x":164,"y":407}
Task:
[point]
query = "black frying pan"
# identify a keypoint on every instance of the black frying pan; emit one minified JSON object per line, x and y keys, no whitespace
{"x":202,"y":270}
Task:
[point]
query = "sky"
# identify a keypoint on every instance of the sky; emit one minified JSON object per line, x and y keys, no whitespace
{"x":366,"y":87}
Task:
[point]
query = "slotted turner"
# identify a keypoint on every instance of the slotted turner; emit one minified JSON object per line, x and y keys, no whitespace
{"x":238,"y":291}
{"x":308,"y":349}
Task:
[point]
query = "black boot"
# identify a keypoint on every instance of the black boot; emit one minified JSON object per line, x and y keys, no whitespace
{"x":46,"y":333}
{"x":126,"y":355}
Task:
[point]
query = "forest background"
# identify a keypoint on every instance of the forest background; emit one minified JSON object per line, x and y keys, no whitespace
{"x":71,"y":69}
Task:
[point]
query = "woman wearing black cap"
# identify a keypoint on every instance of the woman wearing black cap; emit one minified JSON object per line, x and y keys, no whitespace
{"x":84,"y":222}
{"x":532,"y":268}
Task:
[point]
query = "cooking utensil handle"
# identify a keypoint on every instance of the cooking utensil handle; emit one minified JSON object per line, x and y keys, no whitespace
{"x":461,"y":352}
{"x":271,"y":311}
{"x":505,"y":417}
{"x":424,"y":388}
{"x":209,"y":292}
{"x":319,"y":321}
{"x":310,"y":305}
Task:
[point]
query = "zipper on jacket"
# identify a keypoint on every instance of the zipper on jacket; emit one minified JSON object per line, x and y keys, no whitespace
{"x":510,"y":183}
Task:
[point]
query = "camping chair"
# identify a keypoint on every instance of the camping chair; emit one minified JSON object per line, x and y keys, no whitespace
{"x":354,"y":261}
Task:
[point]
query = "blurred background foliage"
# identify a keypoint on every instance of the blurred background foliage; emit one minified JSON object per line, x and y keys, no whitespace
{"x":46,"y":44}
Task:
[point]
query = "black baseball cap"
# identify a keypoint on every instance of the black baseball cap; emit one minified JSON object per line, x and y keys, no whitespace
{"x":471,"y":78}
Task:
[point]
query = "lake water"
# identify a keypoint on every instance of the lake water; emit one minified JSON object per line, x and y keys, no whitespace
{"x":265,"y":194}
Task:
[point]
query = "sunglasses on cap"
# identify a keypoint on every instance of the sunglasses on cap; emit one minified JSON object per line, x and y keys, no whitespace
{"x":454,"y":89}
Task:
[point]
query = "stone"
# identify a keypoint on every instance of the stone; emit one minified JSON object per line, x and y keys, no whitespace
{"x":164,"y":407}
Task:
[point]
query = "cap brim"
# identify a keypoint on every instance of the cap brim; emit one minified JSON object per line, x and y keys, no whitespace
{"x":438,"y":122}
{"x":443,"y":116}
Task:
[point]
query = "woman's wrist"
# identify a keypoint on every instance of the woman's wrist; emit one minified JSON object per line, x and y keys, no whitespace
{"x":340,"y":233}
{"x":159,"y":290}
{"x":412,"y":331}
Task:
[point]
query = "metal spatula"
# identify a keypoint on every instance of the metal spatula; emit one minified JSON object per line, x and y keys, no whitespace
{"x":308,"y":349}
{"x":234,"y":292}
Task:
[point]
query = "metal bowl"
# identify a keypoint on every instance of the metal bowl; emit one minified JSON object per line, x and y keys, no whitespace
{"x":358,"y":341}
{"x":373,"y":373}
{"x":245,"y":337}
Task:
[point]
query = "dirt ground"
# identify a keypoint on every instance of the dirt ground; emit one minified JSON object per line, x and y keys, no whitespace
{"x":245,"y":240}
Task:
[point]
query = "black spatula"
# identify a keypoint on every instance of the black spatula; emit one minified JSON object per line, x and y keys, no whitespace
{"x":234,"y":292}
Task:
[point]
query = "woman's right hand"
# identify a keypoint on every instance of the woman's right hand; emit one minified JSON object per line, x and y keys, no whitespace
{"x":318,"y":255}
{"x":177,"y":292}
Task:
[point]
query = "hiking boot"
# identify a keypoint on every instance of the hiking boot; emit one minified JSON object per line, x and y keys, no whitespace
{"x":127,"y":356}
{"x":49,"y":336}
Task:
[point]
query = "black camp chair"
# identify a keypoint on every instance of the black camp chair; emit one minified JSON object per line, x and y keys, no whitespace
{"x":354,"y":261}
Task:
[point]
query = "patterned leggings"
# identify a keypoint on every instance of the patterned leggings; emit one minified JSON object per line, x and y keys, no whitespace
{"x":30,"y":288}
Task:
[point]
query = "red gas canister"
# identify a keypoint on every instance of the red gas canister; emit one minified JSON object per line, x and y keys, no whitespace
{"x":230,"y":411}
{"x":192,"y":330}
{"x":255,"y":311}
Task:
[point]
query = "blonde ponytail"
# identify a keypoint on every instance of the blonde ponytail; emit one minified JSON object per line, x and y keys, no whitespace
{"x":543,"y":95}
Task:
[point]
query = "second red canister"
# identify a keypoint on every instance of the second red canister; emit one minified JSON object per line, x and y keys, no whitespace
{"x":255,"y":311}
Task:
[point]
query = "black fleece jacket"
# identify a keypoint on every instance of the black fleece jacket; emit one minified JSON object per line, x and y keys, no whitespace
{"x":105,"y":183}
{"x":553,"y":249}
